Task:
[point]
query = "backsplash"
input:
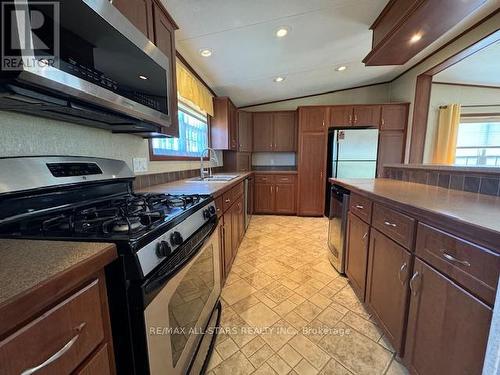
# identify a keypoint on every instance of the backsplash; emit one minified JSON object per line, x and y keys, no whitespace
{"x":273,"y":158}
{"x":470,"y":179}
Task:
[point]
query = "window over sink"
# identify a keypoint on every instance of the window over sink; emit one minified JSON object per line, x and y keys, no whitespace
{"x":193,"y":137}
{"x":478,"y":142}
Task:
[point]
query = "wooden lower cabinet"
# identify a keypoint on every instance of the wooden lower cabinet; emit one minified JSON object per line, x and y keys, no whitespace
{"x":227,"y":246}
{"x":263,"y":198}
{"x":387,"y":285}
{"x":275,"y":194}
{"x":284,"y":200}
{"x":357,"y":253}
{"x":447,"y":327}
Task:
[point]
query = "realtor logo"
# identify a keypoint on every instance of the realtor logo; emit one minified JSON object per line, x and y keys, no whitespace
{"x":30,"y":34}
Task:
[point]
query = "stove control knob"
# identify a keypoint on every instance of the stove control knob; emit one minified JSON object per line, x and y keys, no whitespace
{"x":206,"y":213}
{"x":163,"y":250}
{"x":176,"y":239}
{"x":211,"y":209}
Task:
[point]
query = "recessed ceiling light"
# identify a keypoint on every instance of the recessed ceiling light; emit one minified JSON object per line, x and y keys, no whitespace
{"x":282,"y":31}
{"x":341,"y":68}
{"x":205,"y":52}
{"x":143,"y":77}
{"x":415,"y":38}
{"x":279,"y":79}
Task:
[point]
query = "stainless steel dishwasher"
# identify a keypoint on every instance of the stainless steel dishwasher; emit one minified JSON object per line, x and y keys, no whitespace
{"x":337,"y":228}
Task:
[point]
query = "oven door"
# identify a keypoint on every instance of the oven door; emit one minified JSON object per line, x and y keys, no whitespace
{"x":177,"y":316}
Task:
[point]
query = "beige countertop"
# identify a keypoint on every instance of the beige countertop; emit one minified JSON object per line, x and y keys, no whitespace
{"x":29,"y":264}
{"x":477,"y":210}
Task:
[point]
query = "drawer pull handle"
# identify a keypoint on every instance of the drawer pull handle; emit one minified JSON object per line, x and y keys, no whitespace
{"x":56,"y":355}
{"x":401,"y":279}
{"x":389,"y":224}
{"x":414,"y":288}
{"x":451,"y":258}
{"x":227,"y":200}
{"x":365,"y":235}
{"x":359,"y":207}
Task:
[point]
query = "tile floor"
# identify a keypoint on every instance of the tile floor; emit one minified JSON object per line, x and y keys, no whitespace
{"x":287,"y":311}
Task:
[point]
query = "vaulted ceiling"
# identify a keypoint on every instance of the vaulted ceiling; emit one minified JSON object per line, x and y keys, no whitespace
{"x":247,"y":55}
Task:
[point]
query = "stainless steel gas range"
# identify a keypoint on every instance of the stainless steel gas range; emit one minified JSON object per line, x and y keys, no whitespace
{"x":164,"y":289}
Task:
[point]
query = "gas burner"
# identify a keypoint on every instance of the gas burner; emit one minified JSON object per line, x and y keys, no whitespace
{"x":183,"y":201}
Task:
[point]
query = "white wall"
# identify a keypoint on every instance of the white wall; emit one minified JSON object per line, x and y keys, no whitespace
{"x":22,"y":135}
{"x":363,"y":95}
{"x":403,"y":88}
{"x":442,"y":94}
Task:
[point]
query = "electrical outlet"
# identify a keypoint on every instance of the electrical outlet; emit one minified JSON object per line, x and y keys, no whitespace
{"x":140,"y":164}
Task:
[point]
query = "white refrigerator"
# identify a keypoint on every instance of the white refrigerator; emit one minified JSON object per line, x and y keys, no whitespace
{"x":353,"y":153}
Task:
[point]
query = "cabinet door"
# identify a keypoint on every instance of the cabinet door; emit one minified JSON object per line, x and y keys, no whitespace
{"x":391,"y":148}
{"x":263,"y":131}
{"x":263,"y":198}
{"x":366,"y":115}
{"x":241,"y":219}
{"x":235,"y":227}
{"x":285,"y":199}
{"x":312,"y":180}
{"x":447,"y":327}
{"x":285,"y":131}
{"x":244,"y":131}
{"x":228,"y":245}
{"x":222,"y":251}
{"x":341,"y":116}
{"x":164,"y":38}
{"x":139,"y":13}
{"x":394,"y":117}
{"x":357,"y":253}
{"x":313,"y":119}
{"x":387,"y":285}
{"x":233,"y":127}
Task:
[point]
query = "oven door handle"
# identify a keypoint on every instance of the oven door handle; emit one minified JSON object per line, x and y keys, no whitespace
{"x":155,"y":282}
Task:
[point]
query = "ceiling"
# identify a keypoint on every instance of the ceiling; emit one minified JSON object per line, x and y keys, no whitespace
{"x":481,"y":68}
{"x":247,"y":56}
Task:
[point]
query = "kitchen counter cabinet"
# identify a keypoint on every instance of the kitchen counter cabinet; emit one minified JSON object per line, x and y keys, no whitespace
{"x":432,"y":270}
{"x":357,"y":254}
{"x":54,"y":293}
{"x":274,"y":193}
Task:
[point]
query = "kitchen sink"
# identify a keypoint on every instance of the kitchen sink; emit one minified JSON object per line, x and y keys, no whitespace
{"x":215,"y":178}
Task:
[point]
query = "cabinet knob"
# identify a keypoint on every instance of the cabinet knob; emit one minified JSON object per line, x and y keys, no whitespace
{"x":359,"y":207}
{"x":382,"y":121}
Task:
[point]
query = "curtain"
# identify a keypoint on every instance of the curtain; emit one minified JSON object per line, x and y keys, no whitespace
{"x":192,"y":91}
{"x":447,"y":133}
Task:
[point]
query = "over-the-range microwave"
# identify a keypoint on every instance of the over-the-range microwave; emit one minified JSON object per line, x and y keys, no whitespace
{"x":82,"y":61}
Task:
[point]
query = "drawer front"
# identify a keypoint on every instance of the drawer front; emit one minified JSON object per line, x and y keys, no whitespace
{"x":361,"y":207}
{"x":60,"y":339}
{"x":227,"y":199}
{"x":97,"y":364}
{"x":219,"y":206}
{"x":238,"y":190}
{"x":395,"y":225}
{"x":284,"y":179}
{"x":264,"y":178}
{"x":470,"y":265}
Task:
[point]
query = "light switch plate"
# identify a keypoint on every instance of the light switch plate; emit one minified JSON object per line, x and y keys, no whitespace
{"x":140,"y":164}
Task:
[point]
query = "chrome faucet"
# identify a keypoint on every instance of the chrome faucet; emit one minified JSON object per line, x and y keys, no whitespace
{"x":214,"y":158}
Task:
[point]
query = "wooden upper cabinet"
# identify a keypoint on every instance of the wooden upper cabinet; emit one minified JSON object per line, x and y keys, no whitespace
{"x":357,"y":254}
{"x":263,"y":131}
{"x":245,"y":131}
{"x":223,"y":126}
{"x":341,"y":115}
{"x":164,"y":38}
{"x":274,"y":131}
{"x":313,"y":119}
{"x":391,"y":149}
{"x":311,"y":168}
{"x":140,"y":13}
{"x":447,"y":327}
{"x":285,"y":131}
{"x":366,"y":115}
{"x":387,"y":285}
{"x":394,"y":117}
